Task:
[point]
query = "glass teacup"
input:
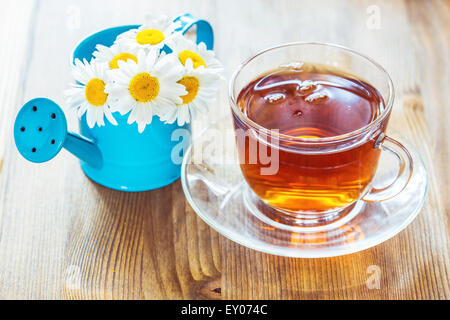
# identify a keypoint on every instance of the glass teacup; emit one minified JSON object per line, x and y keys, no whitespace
{"x":309,"y":179}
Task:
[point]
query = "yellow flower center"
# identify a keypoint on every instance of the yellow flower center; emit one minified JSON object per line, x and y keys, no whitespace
{"x":196,"y":59}
{"x":192,"y":85}
{"x":95,"y":92}
{"x":123,"y":57}
{"x":143,"y":87}
{"x":149,"y":36}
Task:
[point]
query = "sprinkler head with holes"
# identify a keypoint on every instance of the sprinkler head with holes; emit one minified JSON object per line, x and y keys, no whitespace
{"x":40,"y":132}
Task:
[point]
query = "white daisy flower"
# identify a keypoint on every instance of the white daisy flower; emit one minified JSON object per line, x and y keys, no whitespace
{"x":154,"y":33}
{"x":146,"y":87}
{"x":111,"y":55}
{"x":185,"y":49}
{"x":201,"y":85}
{"x":88,"y":94}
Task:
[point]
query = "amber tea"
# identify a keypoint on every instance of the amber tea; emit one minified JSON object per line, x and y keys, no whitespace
{"x":314,"y":101}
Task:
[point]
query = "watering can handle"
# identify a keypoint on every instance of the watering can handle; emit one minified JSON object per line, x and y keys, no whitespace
{"x":204,"y":30}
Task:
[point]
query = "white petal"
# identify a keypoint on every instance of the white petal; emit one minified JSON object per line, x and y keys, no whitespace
{"x":183,"y":115}
{"x":99,"y":116}
{"x":109,"y":116}
{"x":82,"y":109}
{"x":141,"y":126}
{"x":90,"y":117}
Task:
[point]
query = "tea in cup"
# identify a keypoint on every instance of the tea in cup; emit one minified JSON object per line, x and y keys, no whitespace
{"x":323,"y":111}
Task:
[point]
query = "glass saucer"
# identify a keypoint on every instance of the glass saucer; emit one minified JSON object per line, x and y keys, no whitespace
{"x":215,"y":188}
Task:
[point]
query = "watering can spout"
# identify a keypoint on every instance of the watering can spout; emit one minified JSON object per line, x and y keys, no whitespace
{"x":84,"y":149}
{"x":40,"y":132}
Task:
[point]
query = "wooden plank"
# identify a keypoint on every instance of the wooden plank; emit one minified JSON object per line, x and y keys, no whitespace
{"x":63,"y":236}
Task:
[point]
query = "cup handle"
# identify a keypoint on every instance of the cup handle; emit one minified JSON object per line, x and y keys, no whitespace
{"x":405,"y":170}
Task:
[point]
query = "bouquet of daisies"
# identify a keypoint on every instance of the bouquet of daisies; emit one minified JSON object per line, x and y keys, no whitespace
{"x":138,"y":76}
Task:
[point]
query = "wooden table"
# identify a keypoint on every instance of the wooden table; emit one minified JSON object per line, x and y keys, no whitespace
{"x":63,"y":236}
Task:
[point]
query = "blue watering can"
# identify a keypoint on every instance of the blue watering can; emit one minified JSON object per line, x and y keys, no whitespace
{"x":118,"y":157}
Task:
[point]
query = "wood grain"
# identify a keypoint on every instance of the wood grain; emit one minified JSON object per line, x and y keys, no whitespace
{"x":65,"y":237}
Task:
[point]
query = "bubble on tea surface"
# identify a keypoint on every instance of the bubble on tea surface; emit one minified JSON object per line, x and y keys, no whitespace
{"x":317,"y":97}
{"x":294,"y":65}
{"x":298,"y":113}
{"x":275,"y":97}
{"x":306,"y":87}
